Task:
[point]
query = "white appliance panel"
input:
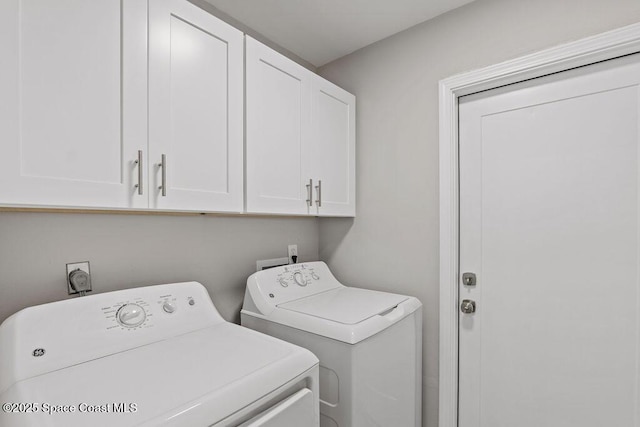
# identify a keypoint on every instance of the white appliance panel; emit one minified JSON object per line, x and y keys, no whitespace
{"x":345,"y":305}
{"x":211,"y":361}
{"x":369,"y":343}
{"x":158,"y":355}
{"x":294,"y":411}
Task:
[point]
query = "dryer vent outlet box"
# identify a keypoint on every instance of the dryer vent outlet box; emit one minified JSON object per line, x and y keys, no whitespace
{"x":266,"y":264}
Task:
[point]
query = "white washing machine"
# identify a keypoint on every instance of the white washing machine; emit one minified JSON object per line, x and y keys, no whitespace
{"x":369,"y":343}
{"x":153,"y":356}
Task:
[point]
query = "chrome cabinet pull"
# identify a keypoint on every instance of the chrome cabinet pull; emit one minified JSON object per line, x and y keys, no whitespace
{"x":319,"y":191}
{"x":163,"y":166}
{"x":309,"y":193}
{"x":139,"y":163}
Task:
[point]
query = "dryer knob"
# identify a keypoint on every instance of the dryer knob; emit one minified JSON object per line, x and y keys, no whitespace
{"x":131,"y":315}
{"x":168,"y":307}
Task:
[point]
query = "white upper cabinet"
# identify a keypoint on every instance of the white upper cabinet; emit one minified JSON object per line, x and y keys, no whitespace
{"x":332,"y":149}
{"x":72,"y":102}
{"x":278,"y":106}
{"x":195,"y":109}
{"x":300,"y":145}
{"x":137,"y":104}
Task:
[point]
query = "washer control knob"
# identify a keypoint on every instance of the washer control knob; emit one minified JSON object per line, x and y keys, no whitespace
{"x":297,"y":276}
{"x":283,"y":283}
{"x":131,"y":315}
{"x":169,"y":307}
{"x":315,"y":276}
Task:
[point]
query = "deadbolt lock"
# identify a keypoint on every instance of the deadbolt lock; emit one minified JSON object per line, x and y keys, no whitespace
{"x":469,"y":279}
{"x":468,"y":306}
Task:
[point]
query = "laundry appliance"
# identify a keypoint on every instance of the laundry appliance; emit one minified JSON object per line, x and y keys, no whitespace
{"x":152,"y":356}
{"x":369,"y":343}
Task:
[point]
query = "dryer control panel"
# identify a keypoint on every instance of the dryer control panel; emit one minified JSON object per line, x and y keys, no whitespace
{"x":167,"y":307}
{"x":270,"y":288}
{"x":53,"y":336}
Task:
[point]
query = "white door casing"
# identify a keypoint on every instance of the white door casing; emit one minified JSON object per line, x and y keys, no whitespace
{"x":195,"y":109}
{"x":73,"y":110}
{"x":602,"y":47}
{"x":549,"y":225}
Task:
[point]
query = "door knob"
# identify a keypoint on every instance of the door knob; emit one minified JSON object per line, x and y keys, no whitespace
{"x":468,"y":306}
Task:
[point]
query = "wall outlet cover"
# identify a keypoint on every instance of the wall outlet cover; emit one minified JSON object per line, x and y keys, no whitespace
{"x":292,"y":251}
{"x":83,"y":281}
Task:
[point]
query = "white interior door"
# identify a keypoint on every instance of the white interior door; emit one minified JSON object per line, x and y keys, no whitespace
{"x":195,"y":109}
{"x":549,"y":210}
{"x":73,"y":102}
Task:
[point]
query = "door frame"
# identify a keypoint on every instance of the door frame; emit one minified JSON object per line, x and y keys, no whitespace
{"x":608,"y":45}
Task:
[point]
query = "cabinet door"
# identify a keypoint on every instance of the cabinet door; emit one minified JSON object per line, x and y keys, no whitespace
{"x":195,"y":109}
{"x":278,"y":104}
{"x":72,"y":102}
{"x":332,"y":148}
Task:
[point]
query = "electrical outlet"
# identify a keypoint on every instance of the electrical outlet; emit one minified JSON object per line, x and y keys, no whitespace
{"x":293,"y":252}
{"x":78,"y":278}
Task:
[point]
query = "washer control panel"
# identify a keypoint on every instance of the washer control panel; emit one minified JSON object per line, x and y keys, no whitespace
{"x":296,"y":274}
{"x":289,"y":282}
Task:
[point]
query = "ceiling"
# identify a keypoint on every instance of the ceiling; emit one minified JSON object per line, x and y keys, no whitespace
{"x":320,"y":31}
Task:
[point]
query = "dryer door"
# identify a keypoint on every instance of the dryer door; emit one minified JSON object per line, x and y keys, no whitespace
{"x":295,"y":411}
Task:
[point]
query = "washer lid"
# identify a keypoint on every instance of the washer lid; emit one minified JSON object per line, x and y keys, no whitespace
{"x":345,"y":305}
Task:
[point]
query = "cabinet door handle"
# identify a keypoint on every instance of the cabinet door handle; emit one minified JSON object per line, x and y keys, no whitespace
{"x":310,"y":193}
{"x":139,"y":163}
{"x":163,"y":167}
{"x":319,"y":191}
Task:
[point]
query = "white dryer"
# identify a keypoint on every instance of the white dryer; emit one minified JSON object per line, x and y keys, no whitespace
{"x":369,"y":343}
{"x":158,"y":355}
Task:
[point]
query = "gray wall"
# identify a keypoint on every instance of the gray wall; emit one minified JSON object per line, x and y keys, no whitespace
{"x":393,"y":243}
{"x":203,"y":4}
{"x":137,"y":250}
